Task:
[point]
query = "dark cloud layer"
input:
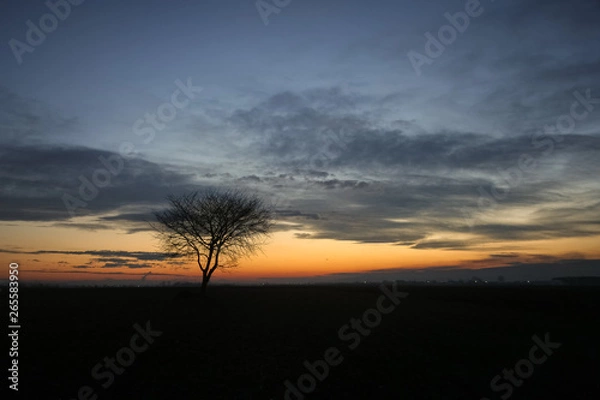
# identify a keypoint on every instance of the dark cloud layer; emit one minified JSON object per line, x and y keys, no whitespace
{"x":35,"y":179}
{"x":368,"y":178}
{"x":102,"y":255}
{"x":432,"y":180}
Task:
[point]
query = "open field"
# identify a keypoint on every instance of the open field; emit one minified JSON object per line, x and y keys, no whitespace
{"x":244,"y":342}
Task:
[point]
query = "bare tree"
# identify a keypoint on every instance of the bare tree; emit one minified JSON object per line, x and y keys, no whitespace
{"x":215,"y":227}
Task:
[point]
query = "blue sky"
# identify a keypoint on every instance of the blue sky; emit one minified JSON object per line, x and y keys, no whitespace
{"x":321,"y":111}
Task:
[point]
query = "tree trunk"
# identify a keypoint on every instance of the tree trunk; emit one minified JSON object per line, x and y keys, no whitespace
{"x":205,"y":279}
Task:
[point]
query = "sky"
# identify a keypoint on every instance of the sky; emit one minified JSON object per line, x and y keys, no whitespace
{"x":395,"y":139}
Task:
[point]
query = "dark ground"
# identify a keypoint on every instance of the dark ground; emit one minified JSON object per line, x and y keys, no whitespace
{"x":244,"y":342}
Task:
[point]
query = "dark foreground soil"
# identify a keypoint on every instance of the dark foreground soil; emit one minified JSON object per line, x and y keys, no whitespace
{"x":245,"y":342}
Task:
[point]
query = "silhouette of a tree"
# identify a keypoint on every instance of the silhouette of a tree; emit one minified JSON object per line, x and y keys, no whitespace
{"x":214,"y":227}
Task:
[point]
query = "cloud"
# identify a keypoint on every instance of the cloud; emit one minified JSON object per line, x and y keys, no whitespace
{"x":24,"y":120}
{"x":428,"y":178}
{"x":296,"y":214}
{"x":125,"y":265}
{"x":442,"y":244}
{"x":34,"y":180}
{"x":342,"y":184}
{"x":334,"y":169}
{"x":250,"y":178}
{"x":101,"y":255}
{"x":83,"y":271}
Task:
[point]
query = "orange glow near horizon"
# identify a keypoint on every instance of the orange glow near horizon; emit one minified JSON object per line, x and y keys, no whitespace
{"x":284,"y":256}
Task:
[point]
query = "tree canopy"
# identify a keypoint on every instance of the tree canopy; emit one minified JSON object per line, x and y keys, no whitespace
{"x":216,"y":227}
